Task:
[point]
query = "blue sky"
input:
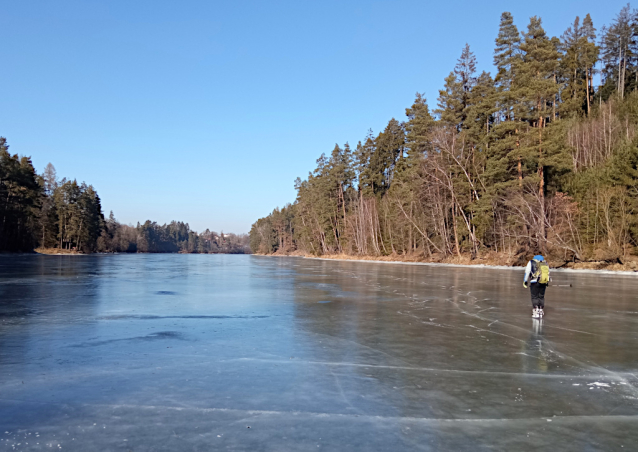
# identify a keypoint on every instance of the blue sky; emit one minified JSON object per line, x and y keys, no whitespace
{"x":207,"y":111}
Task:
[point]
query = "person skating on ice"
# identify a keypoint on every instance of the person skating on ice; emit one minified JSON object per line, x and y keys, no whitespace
{"x":537,"y":275}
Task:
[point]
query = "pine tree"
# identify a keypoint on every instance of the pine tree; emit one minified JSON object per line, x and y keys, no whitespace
{"x":535,"y":83}
{"x":579,"y":54}
{"x":48,"y":214}
{"x":481,"y":110}
{"x":389,"y":147}
{"x":504,"y":160}
{"x":573,"y":95}
{"x":450,"y":103}
{"x":362,"y":156}
{"x":20,"y":195}
{"x":418,"y":127}
{"x":92,"y":219}
{"x":619,"y":51}
{"x":590,"y":57}
{"x":454,"y":98}
{"x":506,"y":54}
{"x":465,"y":71}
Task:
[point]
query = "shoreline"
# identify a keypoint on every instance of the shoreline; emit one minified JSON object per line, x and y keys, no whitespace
{"x":62,"y":252}
{"x":56,"y":252}
{"x":368,"y":259}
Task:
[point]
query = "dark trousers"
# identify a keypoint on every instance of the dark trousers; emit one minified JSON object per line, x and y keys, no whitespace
{"x":538,"y":294}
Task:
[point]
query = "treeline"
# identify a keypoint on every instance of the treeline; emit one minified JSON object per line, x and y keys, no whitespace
{"x":39,"y":210}
{"x":175,"y":237}
{"x":532,"y":158}
{"x":42,"y":211}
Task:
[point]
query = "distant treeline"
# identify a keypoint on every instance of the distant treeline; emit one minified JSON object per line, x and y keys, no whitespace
{"x":42,"y":211}
{"x":532,"y":158}
{"x":175,"y":237}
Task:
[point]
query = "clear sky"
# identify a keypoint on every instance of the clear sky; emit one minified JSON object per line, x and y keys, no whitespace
{"x":206,"y":111}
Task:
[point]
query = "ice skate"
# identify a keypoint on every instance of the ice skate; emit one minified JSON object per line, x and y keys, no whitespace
{"x":535,"y":314}
{"x":541,"y":313}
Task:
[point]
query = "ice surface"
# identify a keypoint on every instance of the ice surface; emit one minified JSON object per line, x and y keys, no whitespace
{"x":181,"y":352}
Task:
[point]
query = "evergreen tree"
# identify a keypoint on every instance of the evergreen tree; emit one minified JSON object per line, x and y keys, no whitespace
{"x":579,"y":53}
{"x":465,"y":71}
{"x":454,"y":98}
{"x":506,"y":55}
{"x":590,"y":57}
{"x":418,"y":127}
{"x":504,"y":159}
{"x":20,"y":195}
{"x":481,"y":110}
{"x":450,"y":103}
{"x":619,"y":51}
{"x":362,"y":155}
{"x":389,"y":147}
{"x":48,"y":214}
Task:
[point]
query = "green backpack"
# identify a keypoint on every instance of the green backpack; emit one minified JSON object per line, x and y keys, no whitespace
{"x":540,"y":272}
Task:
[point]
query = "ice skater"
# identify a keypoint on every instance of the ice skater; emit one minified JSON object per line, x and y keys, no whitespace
{"x":537,"y":274}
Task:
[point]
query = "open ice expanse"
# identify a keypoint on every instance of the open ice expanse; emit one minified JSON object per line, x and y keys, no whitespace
{"x":195,"y":352}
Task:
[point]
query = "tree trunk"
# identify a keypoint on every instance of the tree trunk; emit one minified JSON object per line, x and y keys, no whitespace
{"x":541,"y":184}
{"x":588,"y":81}
{"x":554,"y":102}
{"x":620,"y":79}
{"x":520,"y":166}
{"x":456,"y":236}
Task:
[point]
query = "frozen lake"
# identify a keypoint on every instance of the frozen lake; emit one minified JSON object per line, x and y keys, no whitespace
{"x":197,"y":352}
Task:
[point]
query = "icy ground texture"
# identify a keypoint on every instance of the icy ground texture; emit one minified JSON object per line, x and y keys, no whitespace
{"x":188,"y":352}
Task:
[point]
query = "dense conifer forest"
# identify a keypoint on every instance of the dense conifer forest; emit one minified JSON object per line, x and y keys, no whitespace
{"x":539,"y":156}
{"x":42,"y":211}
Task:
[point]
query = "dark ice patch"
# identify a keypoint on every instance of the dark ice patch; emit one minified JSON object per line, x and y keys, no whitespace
{"x":163,"y":335}
{"x":165,"y":292}
{"x":149,"y":337}
{"x":19,"y":313}
{"x":160,"y":317}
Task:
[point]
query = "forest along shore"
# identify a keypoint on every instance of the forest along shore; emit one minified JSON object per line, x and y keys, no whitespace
{"x":53,"y":216}
{"x":492,"y":260}
{"x":536,"y":158}
{"x":73,"y":252}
